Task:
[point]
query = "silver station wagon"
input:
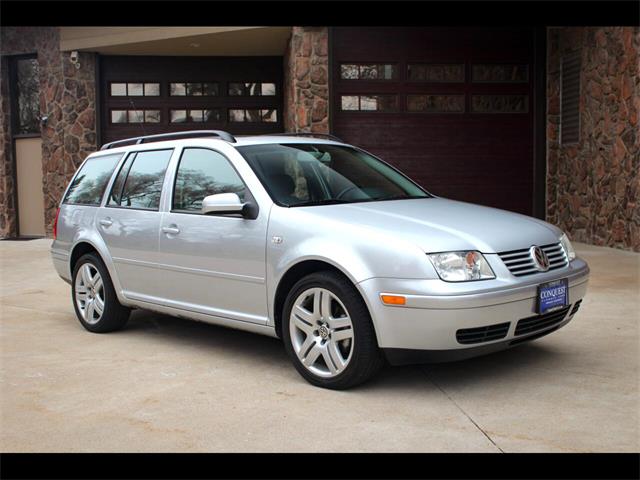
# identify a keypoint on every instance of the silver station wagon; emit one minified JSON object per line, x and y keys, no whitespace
{"x":313,"y":241}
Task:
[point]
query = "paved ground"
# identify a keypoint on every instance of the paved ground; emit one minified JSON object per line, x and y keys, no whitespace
{"x":164,"y":384}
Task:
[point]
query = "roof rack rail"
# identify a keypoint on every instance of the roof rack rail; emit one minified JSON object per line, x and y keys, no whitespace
{"x":307,"y":134}
{"x":171,"y":136}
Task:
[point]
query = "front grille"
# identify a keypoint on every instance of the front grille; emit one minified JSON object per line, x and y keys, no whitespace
{"x":539,"y":322}
{"x":482,"y":334}
{"x":520,"y":262}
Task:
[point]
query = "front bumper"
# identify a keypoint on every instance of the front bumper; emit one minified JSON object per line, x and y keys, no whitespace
{"x":431,"y":317}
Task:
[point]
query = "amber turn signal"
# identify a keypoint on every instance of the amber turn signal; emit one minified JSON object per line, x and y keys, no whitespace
{"x":393,"y":299}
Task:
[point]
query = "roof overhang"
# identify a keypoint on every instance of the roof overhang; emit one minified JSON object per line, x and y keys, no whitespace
{"x":179,"y":41}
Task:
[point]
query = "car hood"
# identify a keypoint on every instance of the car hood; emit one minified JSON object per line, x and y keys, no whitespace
{"x":438,"y":224}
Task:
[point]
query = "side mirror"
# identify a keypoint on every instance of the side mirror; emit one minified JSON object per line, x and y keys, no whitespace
{"x":222,"y":203}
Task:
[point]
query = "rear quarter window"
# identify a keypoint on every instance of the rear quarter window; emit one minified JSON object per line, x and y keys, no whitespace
{"x":91,"y":180}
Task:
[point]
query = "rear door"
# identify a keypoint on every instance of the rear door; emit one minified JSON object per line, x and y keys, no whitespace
{"x":213,"y":264}
{"x":130,"y":220}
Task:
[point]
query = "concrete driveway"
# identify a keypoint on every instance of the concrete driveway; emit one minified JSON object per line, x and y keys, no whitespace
{"x":165,"y":384}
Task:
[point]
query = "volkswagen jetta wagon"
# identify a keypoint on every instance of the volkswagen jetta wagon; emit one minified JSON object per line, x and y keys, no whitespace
{"x":313,"y":241}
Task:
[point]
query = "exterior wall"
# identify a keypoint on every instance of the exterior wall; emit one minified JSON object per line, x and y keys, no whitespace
{"x":593,"y":187}
{"x":306,"y":64}
{"x":68,"y":98}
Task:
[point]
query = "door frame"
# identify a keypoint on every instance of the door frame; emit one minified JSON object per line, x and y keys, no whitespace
{"x":13,"y":118}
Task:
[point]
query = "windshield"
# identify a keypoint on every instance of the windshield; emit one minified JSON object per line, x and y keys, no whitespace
{"x":302,"y":174}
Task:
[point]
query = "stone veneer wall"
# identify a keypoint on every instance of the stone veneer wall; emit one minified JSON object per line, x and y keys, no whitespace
{"x":593,"y":187}
{"x":68,"y":98}
{"x":306,"y":63}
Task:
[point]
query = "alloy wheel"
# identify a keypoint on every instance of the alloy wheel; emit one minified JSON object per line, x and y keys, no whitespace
{"x":321,"y":332}
{"x":89,"y":292}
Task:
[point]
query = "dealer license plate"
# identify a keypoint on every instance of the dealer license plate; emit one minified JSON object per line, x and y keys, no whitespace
{"x":553,"y":295}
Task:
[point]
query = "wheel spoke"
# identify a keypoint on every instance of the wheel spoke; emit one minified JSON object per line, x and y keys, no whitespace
{"x":89,"y":309}
{"x":313,"y":355}
{"x":332,"y":358}
{"x":97,"y":283}
{"x":341,"y":322}
{"x":87,"y":279}
{"x":344,"y":334}
{"x":302,"y":325}
{"x":304,"y":314}
{"x":325,"y":304}
{"x":98,"y":304}
{"x":305,"y":347}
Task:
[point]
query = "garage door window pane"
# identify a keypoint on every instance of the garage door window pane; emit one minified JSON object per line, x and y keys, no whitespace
{"x":178,"y":89}
{"x":236,"y":115}
{"x":152,"y":116}
{"x":194,"y":89}
{"x":195,"y":116}
{"x":269,"y":116}
{"x":118,"y":89}
{"x":135,"y":89}
{"x":202,"y":173}
{"x":212,"y":115}
{"x":435,"y":103}
{"x":507,"y":73}
{"x":368,"y":71}
{"x":349,"y":72}
{"x":370,"y":103}
{"x":136,"y":116}
{"x":500,"y":103}
{"x":143,"y":184}
{"x":210,"y":89}
{"x":118,"y":116}
{"x":89,"y":183}
{"x":178,"y":116}
{"x":268,"y":89}
{"x":152,"y":89}
{"x":420,"y":72}
{"x":350,"y":102}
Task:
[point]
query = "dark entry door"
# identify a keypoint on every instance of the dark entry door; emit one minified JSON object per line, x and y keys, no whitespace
{"x":451,"y":107}
{"x":143,"y":95}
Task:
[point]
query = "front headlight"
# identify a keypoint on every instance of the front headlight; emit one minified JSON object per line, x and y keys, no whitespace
{"x":461,"y":266}
{"x":568,"y":248}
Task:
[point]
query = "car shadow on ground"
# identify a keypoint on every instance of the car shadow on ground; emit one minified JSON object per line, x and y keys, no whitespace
{"x":265,"y":350}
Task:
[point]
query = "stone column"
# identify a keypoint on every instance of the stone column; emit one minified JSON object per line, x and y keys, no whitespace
{"x":306,"y":99}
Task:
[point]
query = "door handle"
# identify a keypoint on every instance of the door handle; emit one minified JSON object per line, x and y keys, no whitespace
{"x":173,"y":230}
{"x":106,"y":222}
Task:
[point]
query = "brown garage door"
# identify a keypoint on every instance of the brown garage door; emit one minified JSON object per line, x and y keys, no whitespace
{"x":148,"y":95}
{"x":450,"y":107}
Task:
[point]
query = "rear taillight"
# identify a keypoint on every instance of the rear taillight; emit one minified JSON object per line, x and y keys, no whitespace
{"x":55,"y":224}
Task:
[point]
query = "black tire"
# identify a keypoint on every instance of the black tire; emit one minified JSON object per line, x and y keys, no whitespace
{"x":366,"y":358}
{"x":114,"y":315}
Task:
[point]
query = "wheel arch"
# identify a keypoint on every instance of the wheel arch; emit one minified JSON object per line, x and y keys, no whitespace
{"x":84,"y":246}
{"x":296,"y":272}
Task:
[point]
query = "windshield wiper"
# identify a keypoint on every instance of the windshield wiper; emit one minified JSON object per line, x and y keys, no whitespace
{"x":400,"y":197}
{"x":328,"y":201}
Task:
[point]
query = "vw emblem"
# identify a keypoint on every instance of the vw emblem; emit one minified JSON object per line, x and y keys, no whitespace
{"x":539,"y":258}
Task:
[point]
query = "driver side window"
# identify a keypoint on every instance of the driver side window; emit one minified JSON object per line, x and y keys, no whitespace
{"x":203,"y":172}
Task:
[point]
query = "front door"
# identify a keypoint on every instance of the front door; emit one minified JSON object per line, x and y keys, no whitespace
{"x":30,"y":195}
{"x":130,"y":222}
{"x":213,"y":264}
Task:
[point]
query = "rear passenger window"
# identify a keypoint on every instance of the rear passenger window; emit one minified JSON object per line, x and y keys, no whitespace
{"x":139,"y":182}
{"x":201,"y":173}
{"x":89,"y":183}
